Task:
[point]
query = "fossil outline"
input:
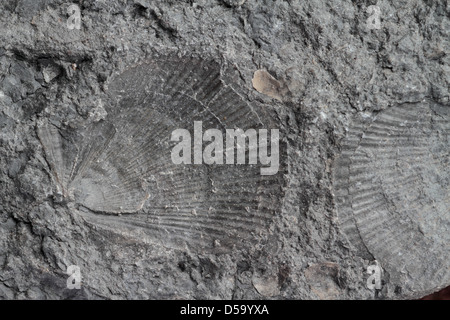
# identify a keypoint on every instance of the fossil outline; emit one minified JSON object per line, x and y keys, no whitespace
{"x":391,"y":185}
{"x":107,"y":169}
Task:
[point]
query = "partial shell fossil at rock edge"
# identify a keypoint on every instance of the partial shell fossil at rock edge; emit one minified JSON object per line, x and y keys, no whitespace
{"x":391,"y":184}
{"x":122,"y":165}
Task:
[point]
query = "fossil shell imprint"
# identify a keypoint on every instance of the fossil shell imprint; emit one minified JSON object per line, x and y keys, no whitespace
{"x":120,"y":170}
{"x":391,"y":184}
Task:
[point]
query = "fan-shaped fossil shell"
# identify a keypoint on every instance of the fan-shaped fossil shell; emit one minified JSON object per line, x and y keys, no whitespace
{"x":120,"y":170}
{"x":392,"y":192}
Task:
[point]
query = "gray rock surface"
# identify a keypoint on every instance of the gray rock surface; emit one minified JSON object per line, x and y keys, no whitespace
{"x":317,"y":68}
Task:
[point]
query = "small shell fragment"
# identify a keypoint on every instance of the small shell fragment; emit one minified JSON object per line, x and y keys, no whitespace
{"x":266,"y":84}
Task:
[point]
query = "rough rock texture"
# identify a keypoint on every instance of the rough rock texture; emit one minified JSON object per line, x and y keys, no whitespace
{"x":314,"y":66}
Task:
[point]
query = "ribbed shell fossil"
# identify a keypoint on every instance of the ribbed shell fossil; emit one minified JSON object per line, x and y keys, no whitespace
{"x":391,"y":185}
{"x":121,"y":170}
